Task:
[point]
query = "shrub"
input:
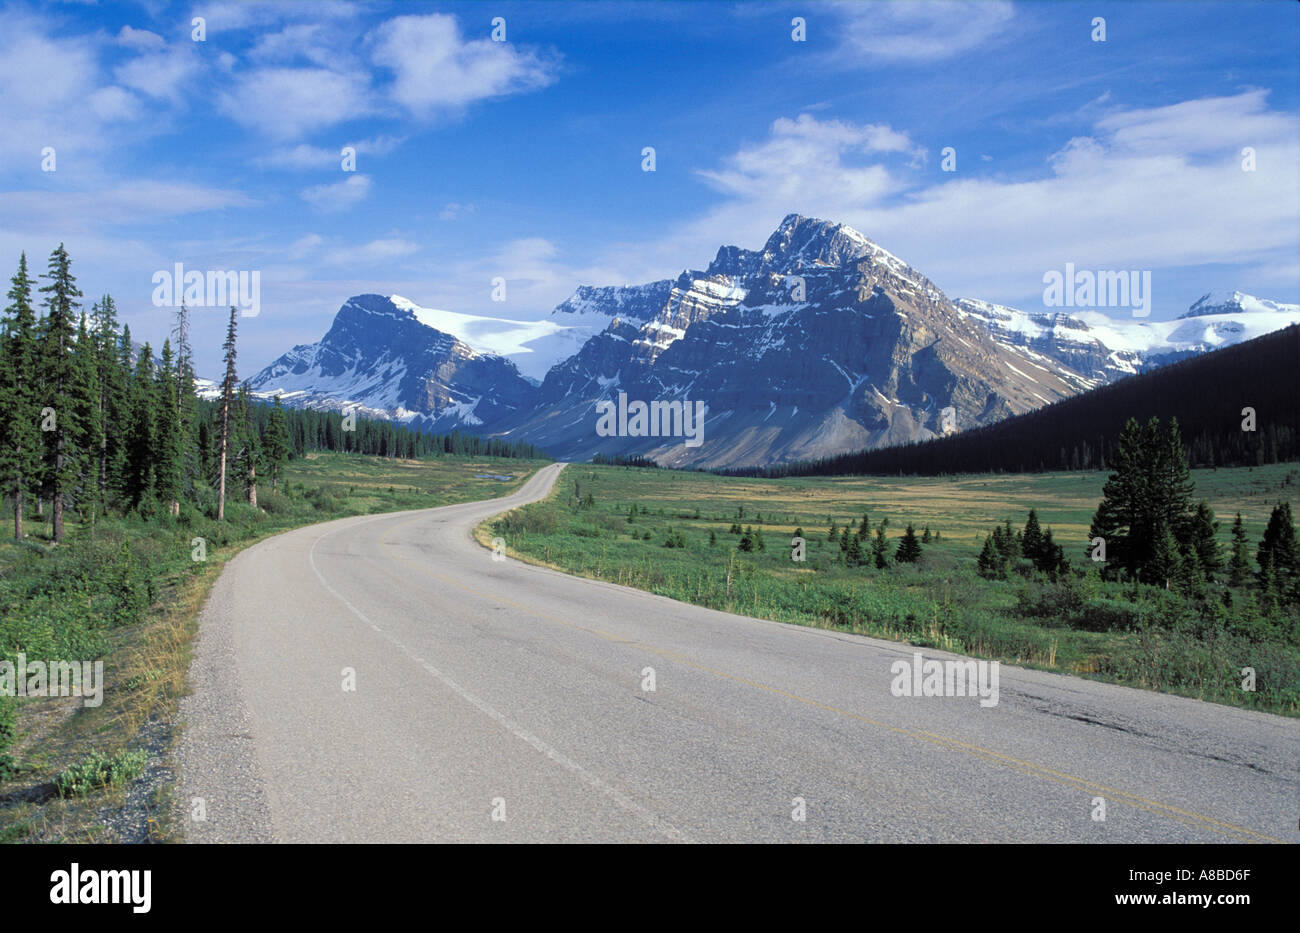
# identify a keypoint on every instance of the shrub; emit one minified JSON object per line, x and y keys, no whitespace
{"x":97,"y":770}
{"x":1102,"y":615}
{"x":275,"y":503}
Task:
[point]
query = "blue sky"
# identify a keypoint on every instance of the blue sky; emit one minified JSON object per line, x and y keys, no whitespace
{"x":522,"y":159}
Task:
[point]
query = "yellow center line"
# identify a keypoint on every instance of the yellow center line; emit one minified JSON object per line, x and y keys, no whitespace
{"x":1026,"y":767}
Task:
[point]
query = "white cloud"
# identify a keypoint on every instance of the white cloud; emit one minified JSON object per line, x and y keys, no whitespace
{"x":163,"y":73}
{"x":435,"y":69}
{"x":140,"y":39}
{"x":304,"y":156}
{"x":285,"y":103}
{"x":304,"y":246}
{"x":338,"y":195}
{"x":890,"y":33}
{"x":50,"y":212}
{"x":372,"y":252}
{"x":805,"y":153}
{"x":455,"y":211}
{"x":1147,"y":189}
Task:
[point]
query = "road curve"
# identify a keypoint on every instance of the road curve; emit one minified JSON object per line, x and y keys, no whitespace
{"x":497,"y":701}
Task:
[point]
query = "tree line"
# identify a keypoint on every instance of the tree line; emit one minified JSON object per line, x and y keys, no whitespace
{"x":94,"y":424}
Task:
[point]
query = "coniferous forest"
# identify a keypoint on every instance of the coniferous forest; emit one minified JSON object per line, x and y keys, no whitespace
{"x":96,"y":424}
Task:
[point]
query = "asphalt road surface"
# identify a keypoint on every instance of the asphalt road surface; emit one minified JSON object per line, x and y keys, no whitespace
{"x":497,"y":701}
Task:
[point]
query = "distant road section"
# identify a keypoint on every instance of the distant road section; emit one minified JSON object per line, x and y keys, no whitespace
{"x":383,"y":679}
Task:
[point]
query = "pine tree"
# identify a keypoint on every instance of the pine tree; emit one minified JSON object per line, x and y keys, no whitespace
{"x":1278,"y":549}
{"x":864,"y":529}
{"x":193,"y":461}
{"x":1148,"y":494}
{"x":1203,"y":539}
{"x":990,"y":562}
{"x":1165,"y":562}
{"x":1189,"y":575}
{"x":1032,"y":539}
{"x":925,"y":535}
{"x":20,"y":436}
{"x":1174,"y":484}
{"x":228,"y":384}
{"x":112,"y":389}
{"x":139,"y":474}
{"x":1051,"y":556}
{"x":61,"y":461}
{"x":853,"y":556}
{"x":909,"y":548}
{"x":244,"y":449}
{"x":169,"y":447}
{"x":878,"y":547}
{"x":89,"y":424}
{"x":277,"y":446}
{"x":833,"y":533}
{"x":1239,"y":562}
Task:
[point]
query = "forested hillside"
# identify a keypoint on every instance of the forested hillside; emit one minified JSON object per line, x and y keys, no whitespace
{"x":1234,"y":407}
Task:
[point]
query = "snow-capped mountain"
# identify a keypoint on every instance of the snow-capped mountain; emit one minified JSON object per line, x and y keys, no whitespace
{"x":819,"y":343}
{"x":1101,"y":348}
{"x":381,"y":359}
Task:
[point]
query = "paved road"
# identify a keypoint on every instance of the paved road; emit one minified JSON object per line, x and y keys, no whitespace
{"x":488,"y":688}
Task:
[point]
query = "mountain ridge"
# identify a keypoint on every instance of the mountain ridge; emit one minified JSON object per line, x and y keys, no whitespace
{"x":820,"y":342}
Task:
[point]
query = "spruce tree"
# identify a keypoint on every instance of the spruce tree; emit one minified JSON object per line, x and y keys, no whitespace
{"x":244,"y":450}
{"x":909,"y":548}
{"x":878,"y":547}
{"x":1278,"y":549}
{"x":1148,"y":495}
{"x":277,"y":446}
{"x":990,"y":563}
{"x":89,"y":424}
{"x":853,"y":556}
{"x":1239,"y":562}
{"x":61,"y":461}
{"x":1165,"y":562}
{"x":228,"y":383}
{"x":169,"y":447}
{"x":139,"y":472}
{"x":1032,"y":539}
{"x":20,"y":435}
{"x":112,"y":389}
{"x":1203,"y":539}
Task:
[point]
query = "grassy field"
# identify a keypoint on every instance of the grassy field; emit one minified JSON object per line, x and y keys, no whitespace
{"x":680,"y":543}
{"x":129,"y":591}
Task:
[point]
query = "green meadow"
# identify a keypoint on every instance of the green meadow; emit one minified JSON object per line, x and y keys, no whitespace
{"x":679,"y":534}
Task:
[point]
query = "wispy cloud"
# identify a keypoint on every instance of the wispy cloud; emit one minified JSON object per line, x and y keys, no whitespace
{"x":338,"y":195}
{"x":918,"y":32}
